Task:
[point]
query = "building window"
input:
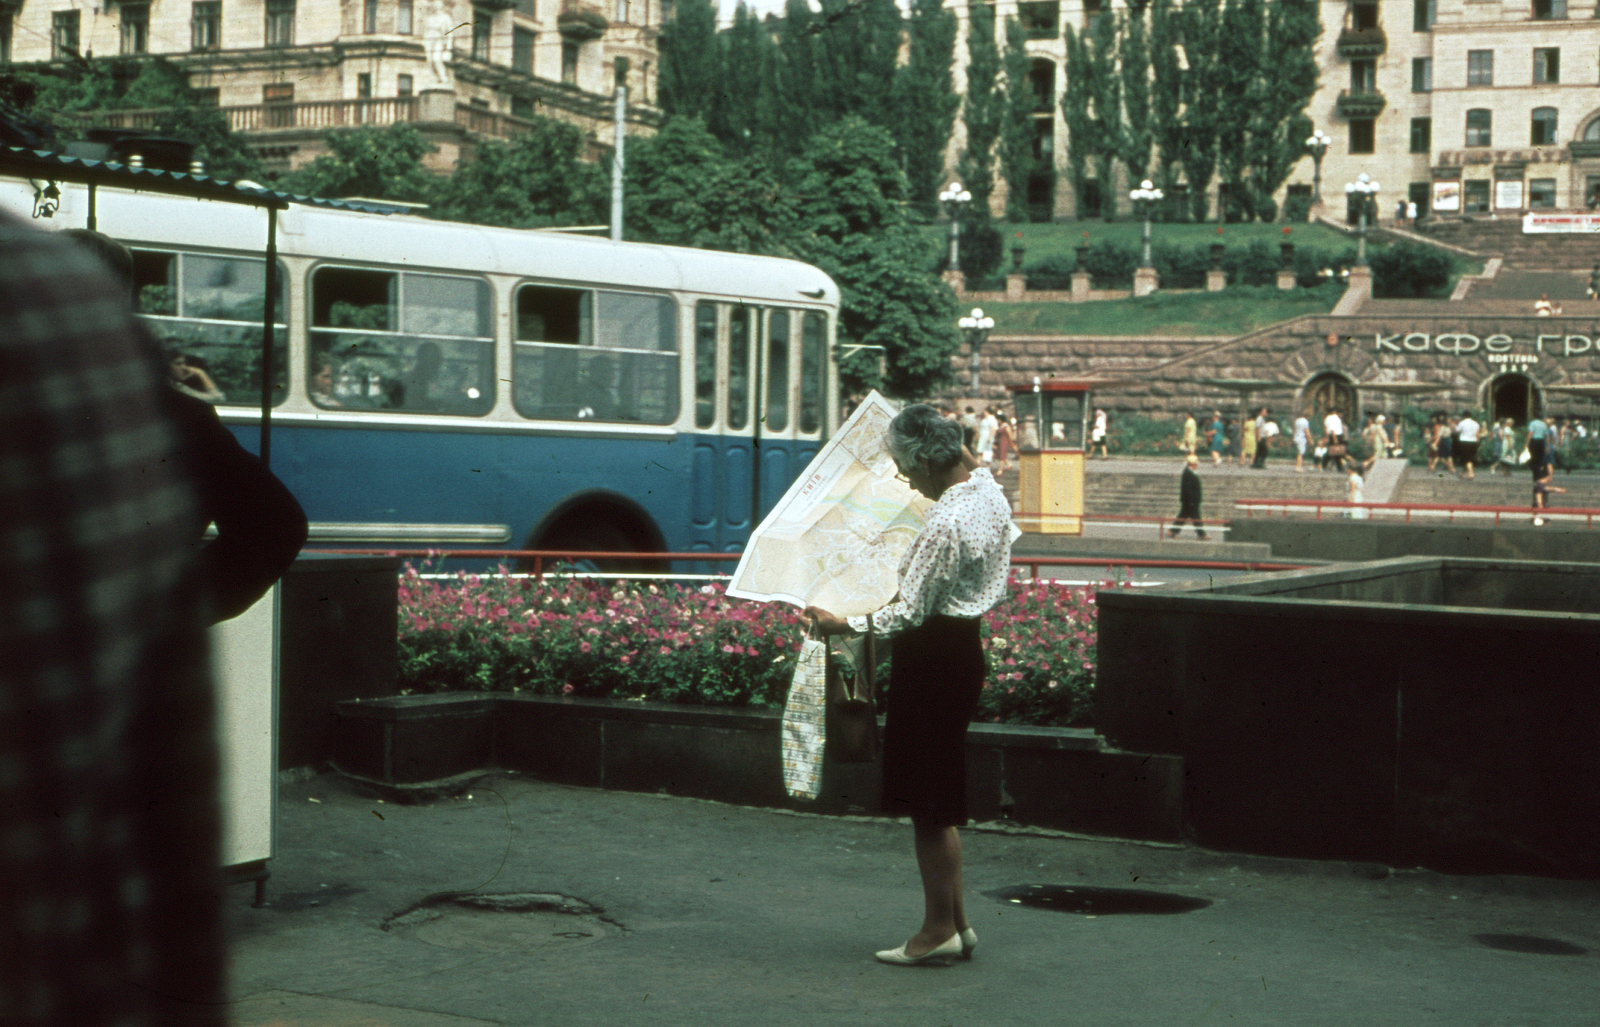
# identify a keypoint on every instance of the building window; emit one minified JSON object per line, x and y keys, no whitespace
{"x":369,"y":17}
{"x":1480,"y":67}
{"x":522,"y":107}
{"x":1364,"y":14}
{"x":621,"y":12}
{"x":402,"y":18}
{"x":1543,"y":127}
{"x":280,"y":22}
{"x":1541,"y":192}
{"x":1423,"y":15}
{"x":1475,"y":196}
{"x":482,"y":28}
{"x":1546,"y":65}
{"x":528,"y":7}
{"x":569,"y":63}
{"x":1091,"y":12}
{"x":1421,"y":135}
{"x":210,"y":96}
{"x":1364,"y":76}
{"x":64,"y":34}
{"x":364,"y":85}
{"x":402,"y":85}
{"x":135,"y":28}
{"x":1362,"y":137}
{"x":1478,"y":125}
{"x":522,"y":41}
{"x":1422,"y":74}
{"x":279,"y":101}
{"x":1549,"y":10}
{"x":205,"y":25}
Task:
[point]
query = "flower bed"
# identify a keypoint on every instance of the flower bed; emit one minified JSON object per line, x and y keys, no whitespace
{"x":693,"y":644}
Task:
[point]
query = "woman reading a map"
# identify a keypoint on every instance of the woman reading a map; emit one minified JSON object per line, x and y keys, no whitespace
{"x":953,"y":573}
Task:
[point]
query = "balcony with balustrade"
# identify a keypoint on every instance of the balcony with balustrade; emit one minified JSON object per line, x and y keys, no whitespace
{"x":1365,"y":104}
{"x":1355,"y":44}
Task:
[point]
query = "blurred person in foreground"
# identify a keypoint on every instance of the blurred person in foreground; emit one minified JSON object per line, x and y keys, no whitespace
{"x":109,"y":826}
{"x":954,"y":572}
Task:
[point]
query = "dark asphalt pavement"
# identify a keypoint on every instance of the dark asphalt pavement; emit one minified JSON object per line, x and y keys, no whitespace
{"x":692,"y":912}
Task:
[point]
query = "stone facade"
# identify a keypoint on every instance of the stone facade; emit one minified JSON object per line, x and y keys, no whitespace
{"x":1396,"y":63}
{"x":1376,"y":361}
{"x":287,"y":71}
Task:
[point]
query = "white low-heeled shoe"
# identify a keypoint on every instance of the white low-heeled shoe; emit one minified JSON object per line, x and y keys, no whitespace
{"x":945,"y":951}
{"x":969,"y":941}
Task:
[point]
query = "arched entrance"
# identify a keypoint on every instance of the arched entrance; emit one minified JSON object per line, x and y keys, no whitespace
{"x":1327,"y":392}
{"x":1515,"y":396}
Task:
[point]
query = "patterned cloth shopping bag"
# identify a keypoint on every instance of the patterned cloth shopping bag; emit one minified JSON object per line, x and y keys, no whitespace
{"x":803,"y":718}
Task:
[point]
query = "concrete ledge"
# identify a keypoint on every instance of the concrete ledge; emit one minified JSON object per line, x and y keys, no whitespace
{"x":1377,"y":540}
{"x":1061,"y":778}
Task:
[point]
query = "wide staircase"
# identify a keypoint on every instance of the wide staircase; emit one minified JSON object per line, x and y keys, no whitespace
{"x":1149,"y":487}
{"x":1417,"y":485}
{"x":1503,"y":237}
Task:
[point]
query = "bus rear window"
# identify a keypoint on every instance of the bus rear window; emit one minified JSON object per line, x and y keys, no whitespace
{"x":404,"y":341}
{"x":594,"y":355}
{"x":206,"y":312}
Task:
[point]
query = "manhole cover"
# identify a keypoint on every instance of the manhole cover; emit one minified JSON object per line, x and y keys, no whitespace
{"x":526,"y":921}
{"x":1529,"y":944}
{"x":1096,"y":901}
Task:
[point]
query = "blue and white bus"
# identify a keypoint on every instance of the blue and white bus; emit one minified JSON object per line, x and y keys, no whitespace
{"x":445,"y":385}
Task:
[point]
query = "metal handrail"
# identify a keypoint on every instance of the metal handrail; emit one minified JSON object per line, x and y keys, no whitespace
{"x":1249,"y":506}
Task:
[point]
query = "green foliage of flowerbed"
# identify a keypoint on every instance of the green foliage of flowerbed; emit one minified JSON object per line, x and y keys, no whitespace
{"x":692,"y":644}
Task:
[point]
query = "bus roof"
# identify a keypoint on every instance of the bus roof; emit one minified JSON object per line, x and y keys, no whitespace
{"x":408,"y":240}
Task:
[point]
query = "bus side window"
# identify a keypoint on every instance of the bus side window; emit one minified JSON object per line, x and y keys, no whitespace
{"x":813,"y":369}
{"x":551,"y":323}
{"x":777,"y":372}
{"x":206,"y":312}
{"x":442,"y":362}
{"x":595,"y":356}
{"x":740,"y":320}
{"x":705,"y":364}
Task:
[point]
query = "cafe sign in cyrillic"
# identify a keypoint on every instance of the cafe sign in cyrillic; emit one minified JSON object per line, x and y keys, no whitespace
{"x":1550,"y":223}
{"x":1463,"y":344}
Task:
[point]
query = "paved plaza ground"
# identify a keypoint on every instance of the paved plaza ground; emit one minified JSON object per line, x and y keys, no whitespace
{"x":692,"y":912}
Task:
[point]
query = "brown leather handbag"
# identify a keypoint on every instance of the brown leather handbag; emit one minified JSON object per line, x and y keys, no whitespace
{"x":852,"y":725}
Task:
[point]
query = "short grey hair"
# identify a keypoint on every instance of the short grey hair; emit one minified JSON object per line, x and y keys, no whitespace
{"x":920,"y":436}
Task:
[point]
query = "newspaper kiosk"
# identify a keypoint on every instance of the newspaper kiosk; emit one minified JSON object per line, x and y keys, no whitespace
{"x":1052,"y":431}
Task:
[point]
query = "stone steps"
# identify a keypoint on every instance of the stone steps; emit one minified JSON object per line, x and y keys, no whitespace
{"x":1504,"y":237}
{"x":1491,"y":489}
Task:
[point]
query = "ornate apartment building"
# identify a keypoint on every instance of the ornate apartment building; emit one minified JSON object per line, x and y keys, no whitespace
{"x":287,"y":71}
{"x":1464,"y":106}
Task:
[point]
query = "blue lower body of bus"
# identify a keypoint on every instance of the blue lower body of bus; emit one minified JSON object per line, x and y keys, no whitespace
{"x":440,"y":489}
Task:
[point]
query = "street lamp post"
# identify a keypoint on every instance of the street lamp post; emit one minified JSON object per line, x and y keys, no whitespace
{"x":977,"y":327}
{"x":955,"y":200}
{"x":1144,"y":200}
{"x":1317,"y":145}
{"x":1363,"y":196}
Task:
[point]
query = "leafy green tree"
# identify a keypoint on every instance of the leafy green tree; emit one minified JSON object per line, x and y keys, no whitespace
{"x":1105,"y":94}
{"x":797,"y":79}
{"x":532,"y":181}
{"x":1240,"y":95}
{"x":684,"y":190}
{"x":1076,"y":112}
{"x":1133,"y":56}
{"x":1201,"y":37}
{"x":691,"y":68}
{"x":1017,"y":134}
{"x":850,"y":202}
{"x":925,"y":100}
{"x":1166,"y":96}
{"x":745,"y":110}
{"x":1279,"y":125}
{"x":380,"y":163}
{"x":983,"y":111}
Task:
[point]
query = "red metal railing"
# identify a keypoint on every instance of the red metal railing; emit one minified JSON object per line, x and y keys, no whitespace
{"x":1316,"y":506}
{"x":1033,"y":563}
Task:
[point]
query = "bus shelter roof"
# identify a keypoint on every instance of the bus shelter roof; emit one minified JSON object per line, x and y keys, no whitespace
{"x":58,"y":167}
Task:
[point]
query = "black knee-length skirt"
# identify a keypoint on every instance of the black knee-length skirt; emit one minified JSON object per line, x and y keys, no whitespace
{"x":935,"y":677}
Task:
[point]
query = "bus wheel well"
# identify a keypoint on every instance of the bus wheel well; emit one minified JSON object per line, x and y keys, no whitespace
{"x":601,"y":523}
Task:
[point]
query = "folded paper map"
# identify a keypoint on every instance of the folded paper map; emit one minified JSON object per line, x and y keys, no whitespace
{"x":836,"y":538}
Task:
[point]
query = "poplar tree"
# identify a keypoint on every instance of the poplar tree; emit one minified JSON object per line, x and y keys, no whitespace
{"x":1017,"y":133}
{"x":691,"y":68}
{"x":744,"y":112}
{"x":1279,"y":125}
{"x":1075,"y":111}
{"x":983,"y":108}
{"x":1201,"y":31}
{"x":1166,"y":100}
{"x":798,"y":91}
{"x":925,"y":100}
{"x":1241,"y":92}
{"x":1133,"y":56}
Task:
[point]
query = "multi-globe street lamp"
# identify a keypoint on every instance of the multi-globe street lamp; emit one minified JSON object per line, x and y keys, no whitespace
{"x":1144,"y":200}
{"x":977,"y":327}
{"x":955,"y":200}
{"x":1317,"y":145}
{"x":1363,"y":199}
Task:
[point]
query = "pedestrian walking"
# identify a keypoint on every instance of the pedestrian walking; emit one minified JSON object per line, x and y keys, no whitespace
{"x":1247,"y":442}
{"x":1356,"y":487}
{"x":1506,"y":458}
{"x":1189,"y":496}
{"x":1302,"y":439}
{"x":1400,"y":213}
{"x":988,"y":425}
{"x":1098,"y":437}
{"x":1465,"y":448}
{"x":1005,"y":442}
{"x":1265,"y":430}
{"x":1538,"y":437}
{"x":954,"y":572}
{"x":1542,"y":487}
{"x":1191,"y":435}
{"x":1411,"y":212}
{"x":1445,"y":433}
{"x":1217,"y":437}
